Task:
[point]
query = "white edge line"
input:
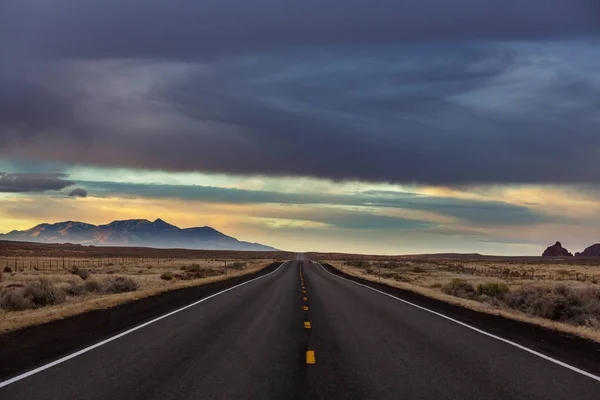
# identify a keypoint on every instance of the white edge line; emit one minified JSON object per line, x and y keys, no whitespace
{"x":120,"y":335}
{"x":541,"y":355}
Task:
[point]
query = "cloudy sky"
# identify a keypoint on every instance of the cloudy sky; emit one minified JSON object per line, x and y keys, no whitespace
{"x":377,"y":126}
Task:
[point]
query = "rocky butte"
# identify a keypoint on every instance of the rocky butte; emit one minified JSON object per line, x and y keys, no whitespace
{"x":556,"y":251}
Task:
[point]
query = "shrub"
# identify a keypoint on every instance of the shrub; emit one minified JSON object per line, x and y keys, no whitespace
{"x":74,"y":289}
{"x":14,"y":300}
{"x":83,"y":274}
{"x":372,"y":271}
{"x":195,"y":271}
{"x":74,"y":270}
{"x":120,"y":284}
{"x":459,"y":288}
{"x":207,"y":273}
{"x":388,"y":275}
{"x":92,"y":287}
{"x":192,"y":268}
{"x":43,"y":293}
{"x":492,"y":289}
{"x":560,"y":303}
{"x":7,"y":269}
{"x":358,"y":264}
{"x":418,"y":269}
{"x":236,"y":265}
{"x":167,"y":276}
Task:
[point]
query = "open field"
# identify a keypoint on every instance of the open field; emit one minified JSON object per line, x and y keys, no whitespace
{"x":562,"y":294}
{"x":40,"y":283}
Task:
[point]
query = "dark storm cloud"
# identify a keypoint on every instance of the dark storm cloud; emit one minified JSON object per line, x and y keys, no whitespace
{"x":23,"y":183}
{"x":328,"y":89}
{"x":443,"y":114}
{"x":78,"y":192}
{"x":190,"y":29}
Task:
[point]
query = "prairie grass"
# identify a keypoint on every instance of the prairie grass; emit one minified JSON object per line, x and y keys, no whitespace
{"x":35,"y":296}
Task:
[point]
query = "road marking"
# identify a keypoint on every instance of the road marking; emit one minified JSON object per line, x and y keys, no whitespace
{"x":305,"y":298}
{"x":310,"y":357}
{"x":307,"y":324}
{"x":120,"y":335}
{"x":535,"y":353}
{"x":304,"y":291}
{"x":305,"y":308}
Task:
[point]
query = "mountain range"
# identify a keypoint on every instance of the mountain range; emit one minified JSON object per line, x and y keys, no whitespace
{"x":135,"y":232}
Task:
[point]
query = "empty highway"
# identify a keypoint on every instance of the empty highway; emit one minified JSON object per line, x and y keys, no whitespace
{"x":303,"y":333}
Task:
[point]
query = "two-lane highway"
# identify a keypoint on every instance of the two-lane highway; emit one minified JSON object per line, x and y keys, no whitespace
{"x":303,"y":333}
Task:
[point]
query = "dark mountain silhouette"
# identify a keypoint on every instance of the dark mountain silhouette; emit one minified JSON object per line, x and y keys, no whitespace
{"x":556,"y":251}
{"x":592,"y":251}
{"x":133,"y":232}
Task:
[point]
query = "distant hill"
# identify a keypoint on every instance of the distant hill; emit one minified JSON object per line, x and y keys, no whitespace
{"x":592,"y":251}
{"x":134,"y":232}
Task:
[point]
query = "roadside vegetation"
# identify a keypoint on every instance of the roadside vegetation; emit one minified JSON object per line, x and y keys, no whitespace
{"x":34,"y":290}
{"x":561,"y":294}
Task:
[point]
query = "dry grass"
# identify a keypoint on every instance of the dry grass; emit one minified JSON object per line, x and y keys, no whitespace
{"x":95,"y":287}
{"x":561,"y":294}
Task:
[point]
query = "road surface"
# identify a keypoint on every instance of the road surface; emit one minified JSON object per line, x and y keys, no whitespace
{"x":302,"y":333}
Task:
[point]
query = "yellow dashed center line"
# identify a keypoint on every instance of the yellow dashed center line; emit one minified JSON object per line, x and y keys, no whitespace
{"x":310,"y":354}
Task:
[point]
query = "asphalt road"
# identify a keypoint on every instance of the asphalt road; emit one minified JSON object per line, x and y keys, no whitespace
{"x":253,"y":342}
